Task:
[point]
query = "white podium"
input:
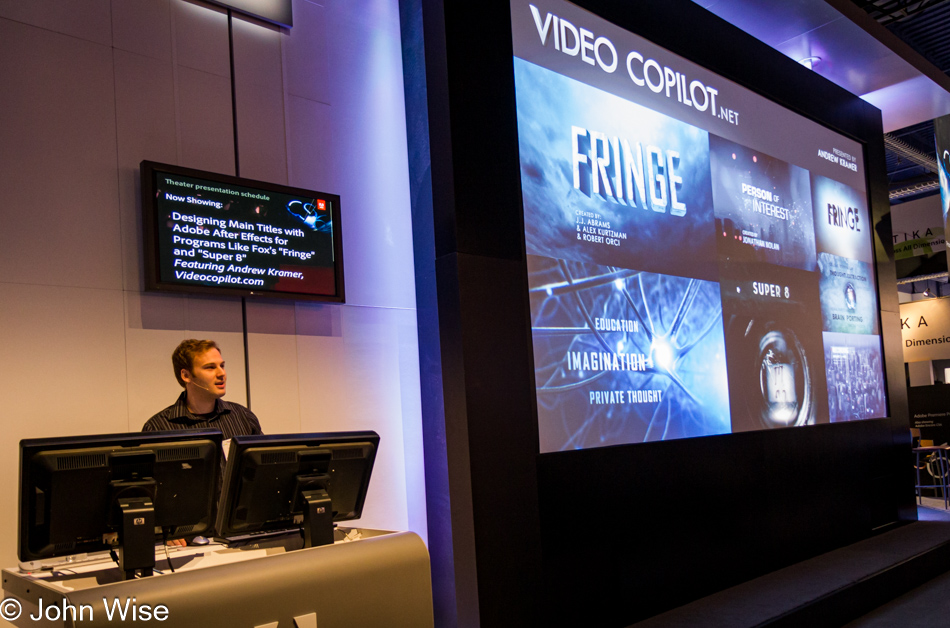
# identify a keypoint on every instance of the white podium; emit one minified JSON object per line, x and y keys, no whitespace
{"x":382,"y":579}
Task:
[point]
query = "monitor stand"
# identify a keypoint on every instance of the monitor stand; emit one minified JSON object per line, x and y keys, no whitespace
{"x":137,"y":536}
{"x":317,"y":518}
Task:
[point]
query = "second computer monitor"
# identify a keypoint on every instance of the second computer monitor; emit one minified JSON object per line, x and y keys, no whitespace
{"x":305,"y":481}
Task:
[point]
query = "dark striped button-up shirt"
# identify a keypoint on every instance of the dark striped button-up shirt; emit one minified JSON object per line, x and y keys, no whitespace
{"x":232,"y":419}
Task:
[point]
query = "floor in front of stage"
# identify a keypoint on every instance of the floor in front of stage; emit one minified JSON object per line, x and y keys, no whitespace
{"x":927,"y":605}
{"x":897,"y":578}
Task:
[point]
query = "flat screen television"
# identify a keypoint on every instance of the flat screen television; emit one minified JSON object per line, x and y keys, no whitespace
{"x":699,"y":258}
{"x":218,"y":234}
{"x":125,"y":492}
{"x":304,"y":482}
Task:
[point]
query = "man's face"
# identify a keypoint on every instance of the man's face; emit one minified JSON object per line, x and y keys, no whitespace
{"x":207,"y":376}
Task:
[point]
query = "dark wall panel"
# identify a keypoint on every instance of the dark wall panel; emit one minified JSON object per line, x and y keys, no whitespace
{"x":662,"y":524}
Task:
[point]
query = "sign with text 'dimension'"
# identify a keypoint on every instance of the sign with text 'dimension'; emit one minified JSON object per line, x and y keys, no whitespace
{"x":925,"y":330}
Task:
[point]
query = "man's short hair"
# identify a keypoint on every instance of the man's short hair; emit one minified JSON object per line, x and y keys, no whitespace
{"x":184,"y":355}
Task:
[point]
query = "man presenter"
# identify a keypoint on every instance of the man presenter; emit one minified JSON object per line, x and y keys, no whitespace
{"x":199,"y":369}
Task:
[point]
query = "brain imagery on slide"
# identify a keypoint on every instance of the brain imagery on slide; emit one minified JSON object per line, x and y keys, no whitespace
{"x":699,"y":258}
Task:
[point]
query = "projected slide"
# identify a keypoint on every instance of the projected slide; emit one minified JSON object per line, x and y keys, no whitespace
{"x":763,"y":207}
{"x":773,"y":346}
{"x":841,"y":220}
{"x":218,"y":234}
{"x":610,"y":182}
{"x":699,"y":258}
{"x":848,"y":302}
{"x":623,"y":356}
{"x":855,"y":372}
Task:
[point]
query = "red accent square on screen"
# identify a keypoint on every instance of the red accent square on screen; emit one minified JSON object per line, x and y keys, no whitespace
{"x":321,"y":205}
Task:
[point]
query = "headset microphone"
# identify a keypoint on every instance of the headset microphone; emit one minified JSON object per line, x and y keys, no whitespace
{"x":203,"y":387}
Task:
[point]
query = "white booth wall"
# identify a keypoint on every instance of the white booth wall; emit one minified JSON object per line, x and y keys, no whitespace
{"x":91,"y":88}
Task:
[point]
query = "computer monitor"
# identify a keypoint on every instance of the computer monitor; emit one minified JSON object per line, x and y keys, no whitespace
{"x":125,"y":492}
{"x":295,"y":481}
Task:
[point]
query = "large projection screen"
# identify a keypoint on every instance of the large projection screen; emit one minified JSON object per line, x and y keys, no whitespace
{"x":699,"y":257}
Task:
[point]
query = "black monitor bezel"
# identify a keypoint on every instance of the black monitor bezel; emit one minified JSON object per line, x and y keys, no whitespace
{"x":153,"y":281}
{"x":29,"y":448}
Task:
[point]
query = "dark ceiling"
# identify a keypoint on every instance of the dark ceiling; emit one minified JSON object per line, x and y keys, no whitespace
{"x":924,"y":26}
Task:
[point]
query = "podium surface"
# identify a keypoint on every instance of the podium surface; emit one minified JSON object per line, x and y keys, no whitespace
{"x":381,"y":579}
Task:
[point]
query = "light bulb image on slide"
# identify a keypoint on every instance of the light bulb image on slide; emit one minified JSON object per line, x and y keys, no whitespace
{"x":785,"y":390}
